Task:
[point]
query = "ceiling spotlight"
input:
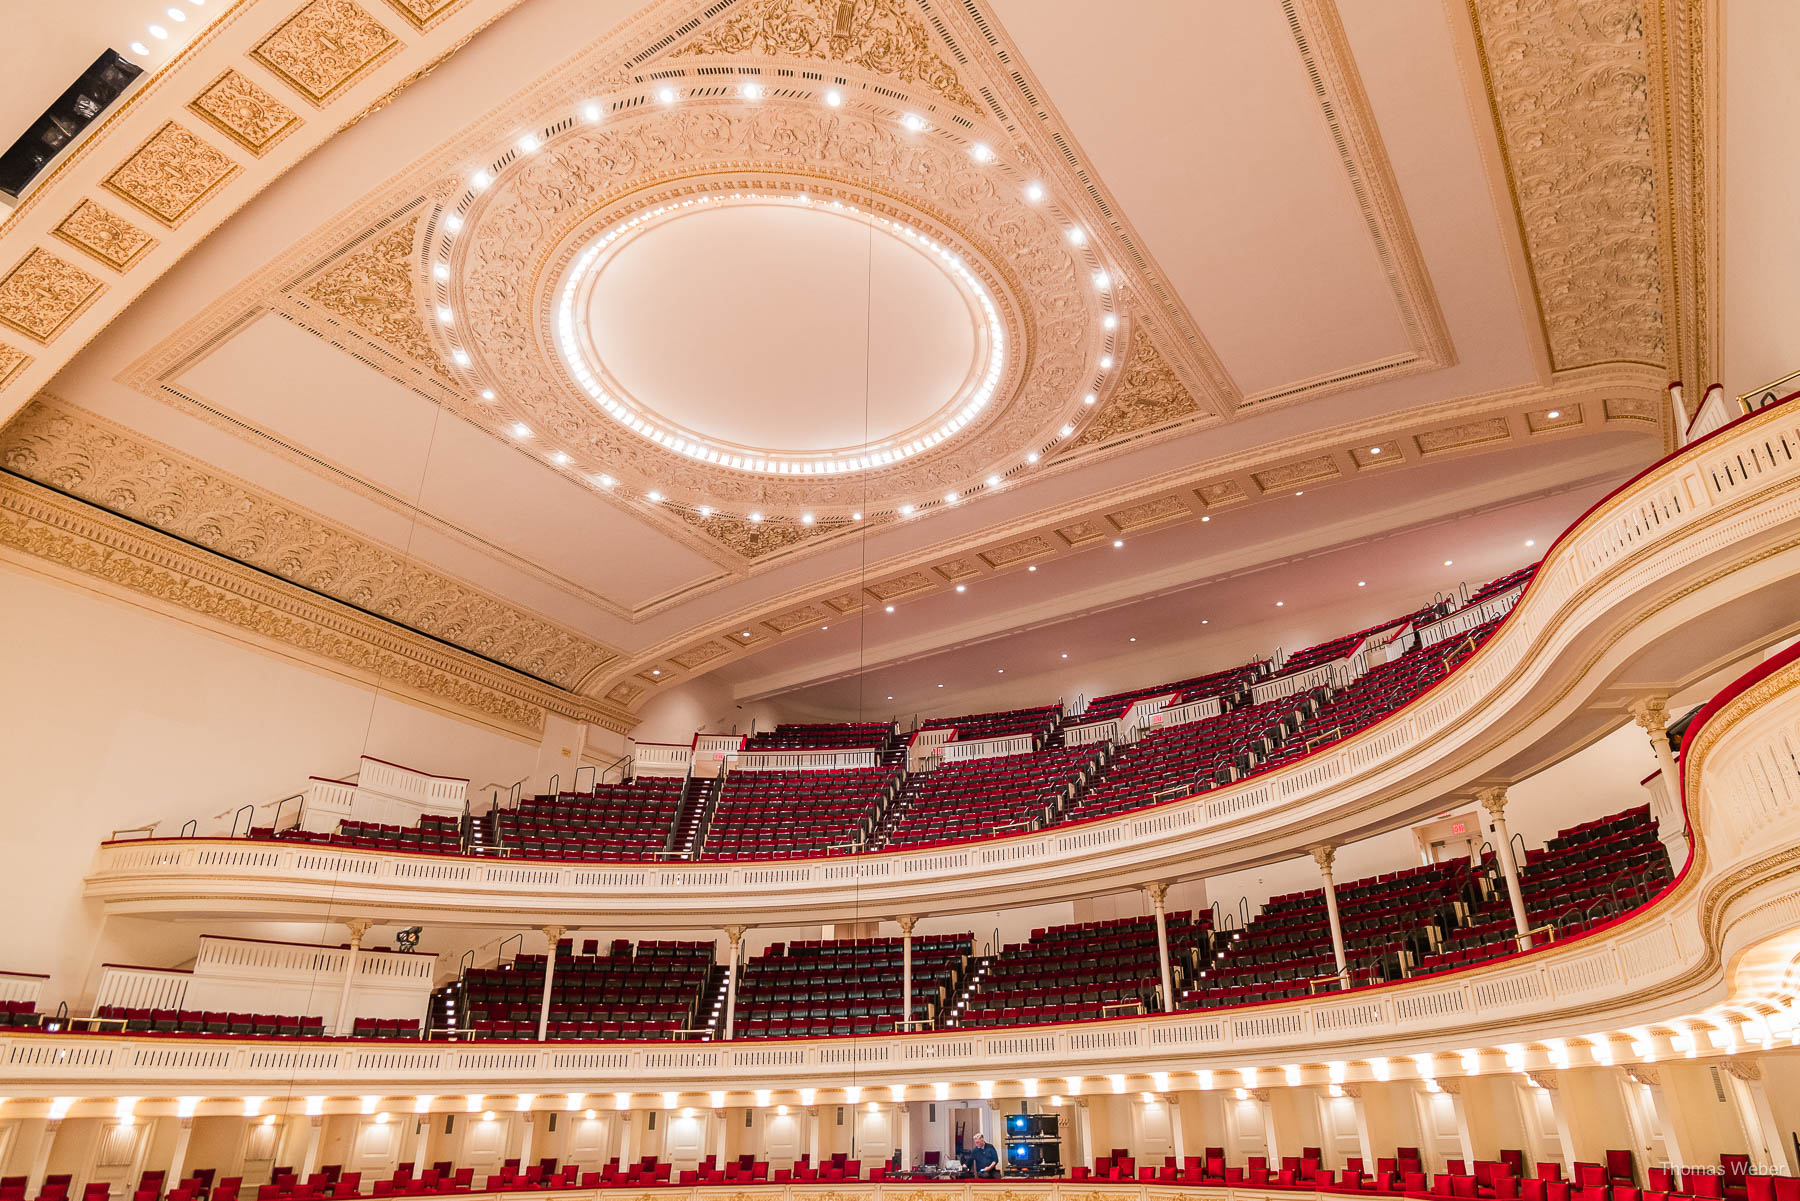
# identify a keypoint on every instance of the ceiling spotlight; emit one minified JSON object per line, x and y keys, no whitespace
{"x":1301,"y":492}
{"x":1032,"y":457}
{"x":560,"y":458}
{"x":1133,"y":638}
{"x":139,"y":48}
{"x":1089,"y":399}
{"x":1000,"y":670}
{"x":158,"y":32}
{"x":1447,"y":562}
{"x":993,"y":481}
{"x":1102,"y":280}
{"x":1118,"y":542}
{"x":521,"y":430}
{"x":1203,"y":621}
{"x":453,"y":223}
{"x":666,"y":94}
{"x":440,"y":271}
{"x":750,"y":91}
{"x":175,"y":14}
{"x":480,"y":180}
{"x":834,"y":98}
{"x":981,"y":152}
{"x":460,"y":357}
{"x":590,"y":113}
{"x":890,"y":697}
{"x":1106,"y":362}
{"x":1374,"y":450}
{"x":1362,"y":583}
{"x":444,"y":315}
{"x":1553,"y":414}
{"x":756,"y":518}
{"x":962,"y":587}
{"x":913,"y":122}
{"x":656,"y":671}
{"x":706,"y":510}
{"x":1278,"y":604}
{"x":1531,"y":542}
{"x":1034,"y":192}
{"x":949,"y":498}
{"x":806,"y":519}
{"x":940,"y":685}
{"x":1065,"y":431}
{"x":1033,"y":567}
{"x":487,"y":394}
{"x":1207,"y":517}
{"x":890,"y":608}
{"x":1078,"y":236}
{"x":653,"y":497}
{"x":1110,"y":321}
{"x":605,"y":481}
{"x":745,"y":634}
{"x":906,"y":510}
{"x":856,"y":517}
{"x":529,"y":144}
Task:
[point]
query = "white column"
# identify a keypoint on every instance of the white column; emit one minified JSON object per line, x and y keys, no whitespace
{"x":1084,"y":1132}
{"x":358,"y":927}
{"x":1176,"y":1133}
{"x":1264,"y":1102}
{"x":309,"y":1155}
{"x":1365,"y":1146}
{"x":1324,"y":857}
{"x":1652,"y":715}
{"x":1663,"y":1110}
{"x":735,"y":937}
{"x":1494,"y":801}
{"x":906,"y":994}
{"x":1158,"y":892}
{"x":1752,"y":1096}
{"x":422,"y":1138}
{"x":812,"y":1136}
{"x":554,"y":935}
{"x":40,"y":1161}
{"x":1465,"y":1139}
{"x":627,"y":1144}
{"x":1551,"y":1083}
{"x":903,"y":1111}
{"x":525,"y":1141}
{"x":178,"y":1157}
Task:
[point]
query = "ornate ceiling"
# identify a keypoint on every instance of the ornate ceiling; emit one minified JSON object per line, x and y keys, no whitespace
{"x":606,"y":366}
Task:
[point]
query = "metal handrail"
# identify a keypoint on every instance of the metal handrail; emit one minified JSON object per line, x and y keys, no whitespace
{"x":282,"y":803}
{"x":500,"y":951}
{"x":148,"y":831}
{"x":242,"y":809}
{"x":192,"y":823}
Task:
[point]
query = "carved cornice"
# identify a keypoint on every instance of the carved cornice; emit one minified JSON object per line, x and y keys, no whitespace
{"x":104,"y":464}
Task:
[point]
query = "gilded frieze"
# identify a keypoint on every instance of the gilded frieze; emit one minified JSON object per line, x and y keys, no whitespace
{"x":105,"y":235}
{"x":245,"y":113}
{"x":325,"y":47}
{"x":12,"y":361}
{"x":43,"y":293}
{"x":1150,"y":396}
{"x":373,"y":289}
{"x":171,"y":173}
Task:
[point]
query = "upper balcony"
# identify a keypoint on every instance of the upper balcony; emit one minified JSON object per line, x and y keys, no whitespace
{"x":1703,"y":543}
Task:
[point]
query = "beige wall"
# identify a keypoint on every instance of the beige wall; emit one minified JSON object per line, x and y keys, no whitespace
{"x":113,"y":716}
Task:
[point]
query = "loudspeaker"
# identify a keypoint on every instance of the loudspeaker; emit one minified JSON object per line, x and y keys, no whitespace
{"x":62,"y":122}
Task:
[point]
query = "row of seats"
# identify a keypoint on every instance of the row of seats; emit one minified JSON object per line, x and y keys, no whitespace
{"x":822,"y":735}
{"x":792,"y":814}
{"x":651,"y":991}
{"x":1083,"y":970}
{"x":978,"y":798}
{"x":973,"y":727}
{"x":817,"y":988}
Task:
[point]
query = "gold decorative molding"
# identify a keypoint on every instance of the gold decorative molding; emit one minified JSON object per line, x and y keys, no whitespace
{"x":423,"y":14}
{"x":43,"y":293}
{"x":103,"y":234}
{"x":374,"y":289}
{"x":753,"y":540}
{"x":84,"y":544}
{"x":886,"y":37}
{"x":326,"y":46}
{"x":1024,"y":549}
{"x":1150,"y":396}
{"x":1582,"y":172}
{"x":1462,"y":435}
{"x":12,"y":361}
{"x":1302,"y":471}
{"x":245,"y":113}
{"x":1147,"y":513}
{"x":170,"y":174}
{"x":93,"y":460}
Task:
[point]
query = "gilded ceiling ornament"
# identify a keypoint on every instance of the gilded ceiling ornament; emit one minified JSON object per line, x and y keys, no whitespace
{"x":1080,"y":533}
{"x":1303,"y":471}
{"x":374,"y":290}
{"x":910,"y":584}
{"x":42,"y":294}
{"x":757,"y":539}
{"x":103,"y":464}
{"x":105,"y":235}
{"x":706,"y":652}
{"x":325,"y":47}
{"x":1150,"y":396}
{"x":171,"y":173}
{"x":245,"y":113}
{"x":781,"y":623}
{"x":1224,"y":492}
{"x":1467,"y":433}
{"x":1016,"y":552}
{"x":623,"y":693}
{"x":1569,"y":83}
{"x":423,"y":14}
{"x":529,"y":225}
{"x":957,"y":569}
{"x":1148,"y":513}
{"x":1385,"y":453}
{"x":883,"y":36}
{"x":12,"y":361}
{"x":1633,"y":408}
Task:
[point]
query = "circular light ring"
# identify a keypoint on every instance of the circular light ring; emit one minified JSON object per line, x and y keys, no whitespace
{"x":577,"y":352}
{"x":1025,"y":311}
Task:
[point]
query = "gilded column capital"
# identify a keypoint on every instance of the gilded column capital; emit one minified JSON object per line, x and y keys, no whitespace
{"x":1643,"y":1073}
{"x":358,"y":926}
{"x":1548,"y":1081}
{"x":1493,"y":800}
{"x":906,"y":923}
{"x":1324,"y":857}
{"x":1744,"y":1069}
{"x":554,"y":934}
{"x":1652,"y":713}
{"x":1158,"y":892}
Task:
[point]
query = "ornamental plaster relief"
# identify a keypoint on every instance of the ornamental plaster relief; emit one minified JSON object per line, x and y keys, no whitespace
{"x":92,"y":459}
{"x":171,"y":174}
{"x":325,"y":47}
{"x":373,"y":290}
{"x":105,"y":235}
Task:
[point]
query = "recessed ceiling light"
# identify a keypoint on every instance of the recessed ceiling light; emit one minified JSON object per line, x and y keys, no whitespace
{"x":175,"y":14}
{"x":1034,"y":192}
{"x":1362,"y":583}
{"x":560,"y":458}
{"x":1205,"y":621}
{"x":833,"y":97}
{"x":529,"y":144}
{"x":440,"y":271}
{"x":1133,"y":638}
{"x":1032,"y":457}
{"x":521,"y":430}
{"x":1374,"y":450}
{"x":605,"y":481}
{"x":1106,"y":362}
{"x":962,"y":587}
{"x":1447,"y":562}
{"x":656,"y":671}
{"x":981,"y":152}
{"x":1279,"y":604}
{"x":1110,"y":321}
{"x":487,"y":394}
{"x":890,"y":698}
{"x":1033,"y":567}
{"x":706,"y":510}
{"x":1065,"y":654}
{"x":139,"y":48}
{"x":993,"y":481}
{"x":856,"y":517}
{"x":906,"y":510}
{"x":750,"y":91}
{"x":158,"y":32}
{"x":745,"y":634}
{"x":1001,"y":670}
{"x":913,"y":121}
{"x":806,"y":519}
{"x":444,"y":315}
{"x":460,"y":357}
{"x":890,"y":608}
{"x":1065,"y":431}
{"x":949,"y":498}
{"x":1102,"y":280}
{"x":756,"y":518}
{"x":666,"y":94}
{"x":1553,"y":414}
{"x":1118,"y":542}
{"x":1089,"y":399}
{"x":1206,"y":517}
{"x":940,"y":685}
{"x":1301,"y":492}
{"x":1078,"y":236}
{"x":590,"y":113}
{"x":480,"y":180}
{"x":1531,"y":542}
